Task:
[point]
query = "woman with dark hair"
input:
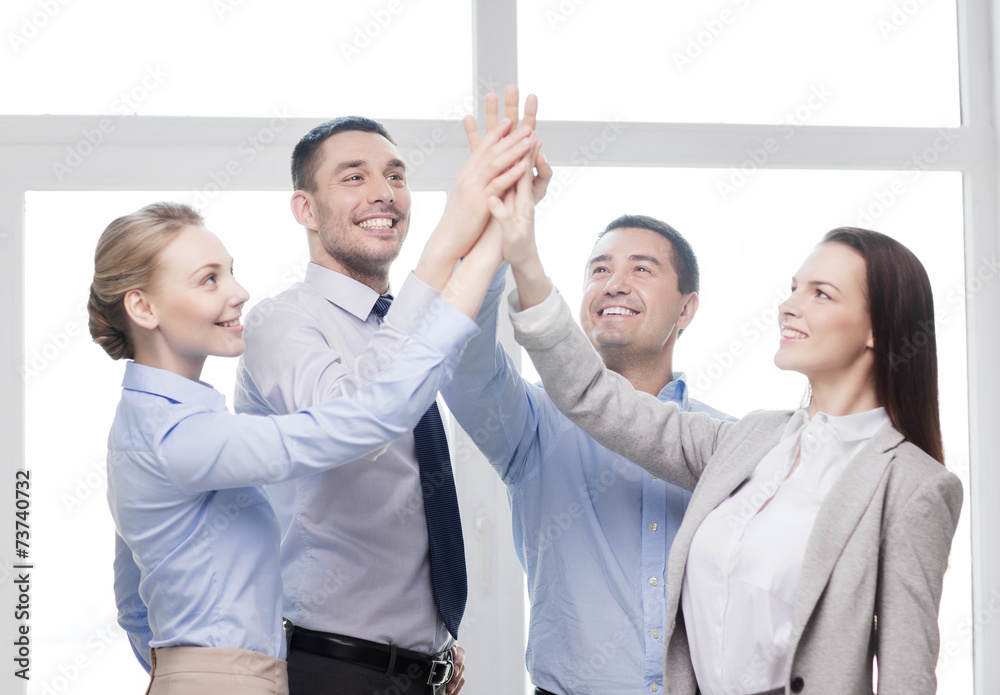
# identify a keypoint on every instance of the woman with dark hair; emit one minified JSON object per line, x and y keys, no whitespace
{"x":816,"y":540}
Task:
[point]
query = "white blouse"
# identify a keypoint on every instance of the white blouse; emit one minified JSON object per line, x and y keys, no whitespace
{"x":744,"y":564}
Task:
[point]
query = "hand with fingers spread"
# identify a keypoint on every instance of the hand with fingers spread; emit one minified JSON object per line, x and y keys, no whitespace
{"x":541,"y":179}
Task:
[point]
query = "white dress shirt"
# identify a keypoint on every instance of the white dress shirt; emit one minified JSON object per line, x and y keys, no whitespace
{"x":354,"y":557}
{"x":745,"y":561}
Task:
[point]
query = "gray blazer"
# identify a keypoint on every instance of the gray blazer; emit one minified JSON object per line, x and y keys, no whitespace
{"x":872,"y":575}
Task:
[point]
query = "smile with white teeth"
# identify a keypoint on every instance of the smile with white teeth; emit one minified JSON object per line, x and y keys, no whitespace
{"x":377,"y":223}
{"x":792,"y":333}
{"x":229,"y":324}
{"x":617,"y":311}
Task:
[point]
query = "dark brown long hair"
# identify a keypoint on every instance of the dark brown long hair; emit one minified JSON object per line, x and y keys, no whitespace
{"x":902,"y":316}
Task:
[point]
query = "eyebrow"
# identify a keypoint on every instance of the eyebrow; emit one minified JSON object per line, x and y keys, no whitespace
{"x":632,"y":257}
{"x":394,"y":163}
{"x":817,"y":283}
{"x":213,"y":266}
{"x":210,"y":266}
{"x":352,"y":164}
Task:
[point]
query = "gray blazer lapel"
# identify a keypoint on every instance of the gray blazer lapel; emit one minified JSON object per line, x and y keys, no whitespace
{"x":722,"y":476}
{"x":837,"y":519}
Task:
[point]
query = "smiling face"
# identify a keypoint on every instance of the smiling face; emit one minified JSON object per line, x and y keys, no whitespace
{"x":359,"y":211}
{"x":631,"y":307}
{"x":195,"y":303}
{"x":826,"y":331}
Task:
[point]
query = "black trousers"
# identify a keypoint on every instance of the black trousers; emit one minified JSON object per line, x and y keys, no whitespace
{"x":309,"y":674}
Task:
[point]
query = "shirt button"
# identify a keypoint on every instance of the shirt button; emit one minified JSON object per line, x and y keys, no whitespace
{"x":653,"y":581}
{"x":655,"y":634}
{"x":653,"y":526}
{"x":654,"y":687}
{"x":822,"y":418}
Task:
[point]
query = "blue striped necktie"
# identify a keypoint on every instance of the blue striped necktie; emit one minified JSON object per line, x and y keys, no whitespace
{"x":444,"y":525}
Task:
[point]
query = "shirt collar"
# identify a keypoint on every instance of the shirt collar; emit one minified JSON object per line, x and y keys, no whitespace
{"x":676,"y":391}
{"x":347,"y":293}
{"x":160,"y":382}
{"x":847,"y":428}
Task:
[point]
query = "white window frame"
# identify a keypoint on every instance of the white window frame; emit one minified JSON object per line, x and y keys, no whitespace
{"x":169,"y":153}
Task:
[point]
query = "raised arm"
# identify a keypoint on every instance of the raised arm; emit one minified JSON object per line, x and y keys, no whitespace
{"x":675,"y":446}
{"x":284,"y":337}
{"x":506,"y":417}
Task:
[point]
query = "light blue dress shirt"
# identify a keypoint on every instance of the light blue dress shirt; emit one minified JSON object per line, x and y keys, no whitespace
{"x":197,"y":554}
{"x":591,"y":529}
{"x":355,"y":558}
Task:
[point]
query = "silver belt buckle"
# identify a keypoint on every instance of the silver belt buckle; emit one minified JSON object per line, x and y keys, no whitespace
{"x":449,"y":670}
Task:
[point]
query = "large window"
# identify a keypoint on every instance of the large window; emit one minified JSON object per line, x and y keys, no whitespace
{"x":236,"y":58}
{"x":752,"y":127}
{"x":855,"y":62}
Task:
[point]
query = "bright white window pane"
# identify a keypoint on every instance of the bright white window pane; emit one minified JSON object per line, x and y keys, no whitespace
{"x":73,"y":387}
{"x":237,"y":58}
{"x":748,"y":248}
{"x":855,"y":62}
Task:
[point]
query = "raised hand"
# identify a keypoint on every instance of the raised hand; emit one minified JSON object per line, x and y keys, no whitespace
{"x":514,"y":214}
{"x":540,"y":182}
{"x":495,"y":164}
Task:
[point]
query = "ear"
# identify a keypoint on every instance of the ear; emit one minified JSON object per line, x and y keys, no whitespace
{"x":688,"y":311}
{"x":871,"y":340}
{"x":139,"y":310}
{"x":302,"y":209}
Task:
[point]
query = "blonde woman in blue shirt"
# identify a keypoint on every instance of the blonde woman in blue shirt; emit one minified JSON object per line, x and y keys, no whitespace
{"x":182,"y":470}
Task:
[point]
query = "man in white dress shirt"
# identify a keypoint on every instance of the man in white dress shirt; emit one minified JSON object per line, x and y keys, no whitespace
{"x":356,"y":572}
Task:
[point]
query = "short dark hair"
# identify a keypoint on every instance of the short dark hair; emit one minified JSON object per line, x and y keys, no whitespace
{"x":682,"y":259}
{"x":304,"y":157}
{"x":901,"y":307}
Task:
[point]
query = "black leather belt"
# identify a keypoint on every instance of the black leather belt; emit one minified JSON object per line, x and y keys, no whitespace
{"x":431,"y":669}
{"x":539,"y":691}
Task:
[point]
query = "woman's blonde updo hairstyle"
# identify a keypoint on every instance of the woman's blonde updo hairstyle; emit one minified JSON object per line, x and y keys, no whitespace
{"x":125,"y":260}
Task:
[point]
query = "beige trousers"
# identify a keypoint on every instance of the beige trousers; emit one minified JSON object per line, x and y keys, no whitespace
{"x":215,"y":671}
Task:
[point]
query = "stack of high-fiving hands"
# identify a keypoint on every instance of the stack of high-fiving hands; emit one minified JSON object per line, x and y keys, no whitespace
{"x":489,"y":217}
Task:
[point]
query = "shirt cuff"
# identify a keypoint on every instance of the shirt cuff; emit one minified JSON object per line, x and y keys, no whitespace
{"x":543,"y":325}
{"x":446,"y":328}
{"x":410,"y":304}
{"x":534,"y":318}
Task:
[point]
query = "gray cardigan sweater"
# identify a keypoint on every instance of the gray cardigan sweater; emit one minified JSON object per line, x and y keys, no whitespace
{"x":872,"y":576}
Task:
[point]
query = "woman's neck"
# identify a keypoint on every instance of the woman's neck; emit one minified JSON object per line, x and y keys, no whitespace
{"x":842,"y":396}
{"x":162,"y":357}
